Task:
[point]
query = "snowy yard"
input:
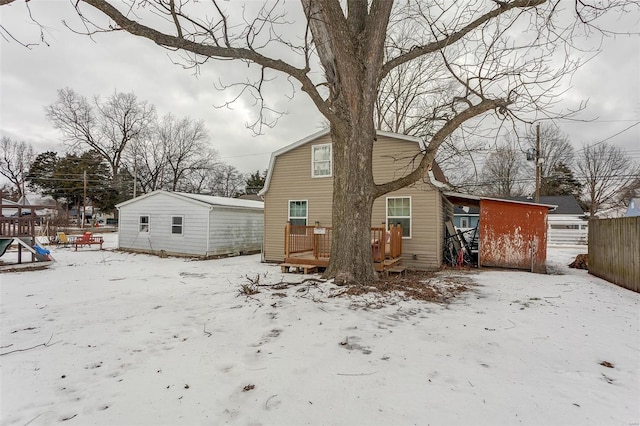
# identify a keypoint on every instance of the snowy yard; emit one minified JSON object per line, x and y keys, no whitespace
{"x":126,"y":339}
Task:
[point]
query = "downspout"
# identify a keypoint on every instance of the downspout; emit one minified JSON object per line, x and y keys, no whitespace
{"x":119,"y":230}
{"x":262,"y":247}
{"x":264,"y":222}
{"x":532,"y":248}
{"x":206,"y":253}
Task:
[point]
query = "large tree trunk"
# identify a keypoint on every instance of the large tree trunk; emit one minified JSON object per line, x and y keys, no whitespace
{"x":351,"y":261}
{"x":350,"y":49}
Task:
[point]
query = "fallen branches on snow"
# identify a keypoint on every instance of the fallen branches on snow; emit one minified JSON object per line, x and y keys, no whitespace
{"x":286,"y":284}
{"x":46,"y":344}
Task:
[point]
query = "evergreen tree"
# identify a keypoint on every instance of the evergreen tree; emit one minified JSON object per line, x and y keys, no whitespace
{"x":255,"y":182}
{"x":41,"y":174}
{"x":64,"y":179}
{"x":560,"y":181}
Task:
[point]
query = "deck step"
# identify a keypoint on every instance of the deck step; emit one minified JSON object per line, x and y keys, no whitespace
{"x":306,"y":269}
{"x":397,"y":269}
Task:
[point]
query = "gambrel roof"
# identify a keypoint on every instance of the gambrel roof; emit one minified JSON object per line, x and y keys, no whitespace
{"x":435,"y":173}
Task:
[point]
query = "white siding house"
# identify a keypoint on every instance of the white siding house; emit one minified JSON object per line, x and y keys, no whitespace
{"x":178,"y":223}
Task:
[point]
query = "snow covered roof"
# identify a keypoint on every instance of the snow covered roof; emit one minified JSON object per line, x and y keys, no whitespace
{"x":223,"y":201}
{"x":634,"y":208}
{"x":6,"y":202}
{"x":211,"y":200}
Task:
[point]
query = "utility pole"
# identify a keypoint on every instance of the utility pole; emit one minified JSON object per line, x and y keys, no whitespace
{"x":84,"y":197}
{"x":135,"y":168}
{"x":22,"y":189}
{"x":537,"y":198}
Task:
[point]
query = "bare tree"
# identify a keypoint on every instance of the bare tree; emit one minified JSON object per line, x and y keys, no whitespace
{"x":555,"y":149}
{"x":107,"y":127}
{"x":15,"y":162}
{"x":147,"y":160}
{"x":184,"y":142}
{"x":176,"y":157}
{"x":501,"y":58}
{"x":201,"y":180}
{"x":228,"y":181}
{"x":410,"y":93}
{"x":410,"y":101}
{"x":629,"y":192}
{"x":606,"y":172}
{"x":503,"y":172}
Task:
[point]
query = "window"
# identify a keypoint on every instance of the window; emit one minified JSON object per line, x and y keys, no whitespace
{"x":298,"y":213}
{"x":143,"y":224}
{"x":321,"y":160}
{"x":464,"y":222}
{"x":399,"y":212}
{"x":176,"y":225}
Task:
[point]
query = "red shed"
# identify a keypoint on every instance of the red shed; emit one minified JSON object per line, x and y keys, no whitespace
{"x":512,"y":234}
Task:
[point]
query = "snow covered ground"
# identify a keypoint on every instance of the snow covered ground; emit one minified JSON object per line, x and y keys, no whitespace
{"x":126,"y":339}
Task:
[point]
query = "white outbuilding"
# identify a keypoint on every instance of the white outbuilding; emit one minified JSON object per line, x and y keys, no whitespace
{"x":177,"y":223}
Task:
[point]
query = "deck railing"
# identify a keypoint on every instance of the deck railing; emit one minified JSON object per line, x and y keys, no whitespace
{"x":20,"y":226}
{"x":317,"y":240}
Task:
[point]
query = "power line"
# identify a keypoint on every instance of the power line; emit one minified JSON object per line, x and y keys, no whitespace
{"x":246,"y":155}
{"x":610,"y":137}
{"x":629,"y":120}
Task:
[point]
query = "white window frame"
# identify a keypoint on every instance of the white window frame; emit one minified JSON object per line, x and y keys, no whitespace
{"x":464,"y":222}
{"x":181,"y":225}
{"x":386,"y":210}
{"x":313,"y":161}
{"x":306,"y":218}
{"x":141,"y":225}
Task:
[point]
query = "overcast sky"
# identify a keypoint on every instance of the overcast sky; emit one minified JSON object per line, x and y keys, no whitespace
{"x":29,"y":79}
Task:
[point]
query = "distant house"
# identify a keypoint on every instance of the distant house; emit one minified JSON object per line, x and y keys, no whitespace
{"x":24,"y":207}
{"x":610,"y":213}
{"x":298,"y":205}
{"x":465,"y":217}
{"x":567,"y":223}
{"x":634,"y":208}
{"x":567,"y":215}
{"x":9,"y":208}
{"x":78,"y":214}
{"x":190,"y":224}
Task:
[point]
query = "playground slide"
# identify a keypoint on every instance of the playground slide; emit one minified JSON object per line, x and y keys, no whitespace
{"x":41,"y":254}
{"x":4,"y":245}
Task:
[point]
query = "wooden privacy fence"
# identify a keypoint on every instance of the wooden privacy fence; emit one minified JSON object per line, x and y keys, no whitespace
{"x":614,"y":251}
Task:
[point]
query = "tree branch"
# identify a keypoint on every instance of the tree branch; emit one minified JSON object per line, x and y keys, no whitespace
{"x":439,"y":137}
{"x":210,"y":51}
{"x":45,"y":344}
{"x":418,"y":51}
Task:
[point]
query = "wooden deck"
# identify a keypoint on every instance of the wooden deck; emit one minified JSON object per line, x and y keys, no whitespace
{"x":310,"y":245}
{"x":20,"y":228}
